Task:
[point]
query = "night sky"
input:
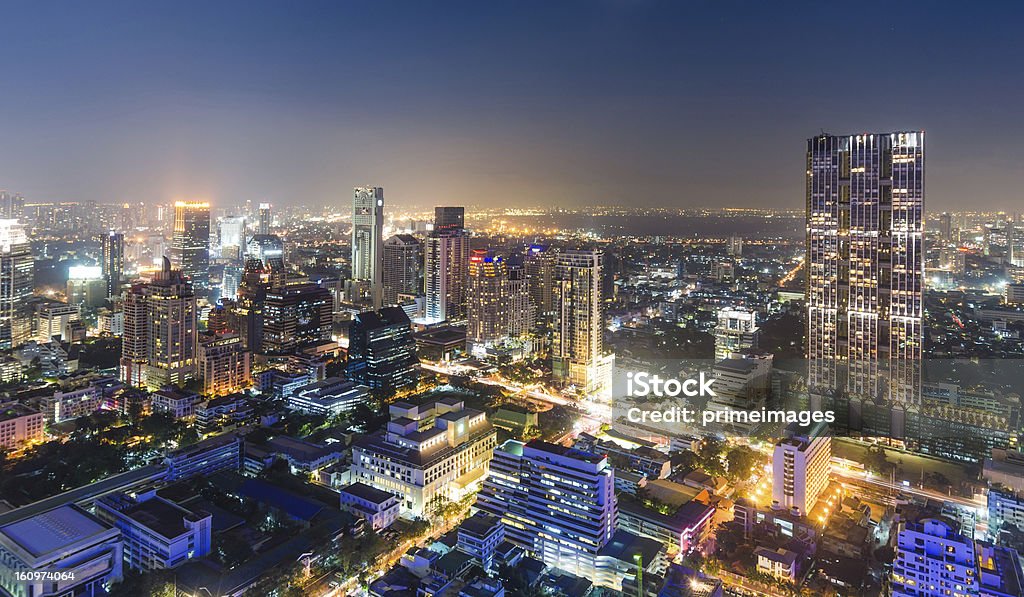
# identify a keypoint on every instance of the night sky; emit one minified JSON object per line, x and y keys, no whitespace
{"x":679,"y":104}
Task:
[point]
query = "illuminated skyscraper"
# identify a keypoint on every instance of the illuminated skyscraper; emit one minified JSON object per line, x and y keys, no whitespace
{"x":160,"y":331}
{"x":449,"y":218}
{"x":446,"y":266}
{"x":403,"y":267}
{"x":865,"y":268}
{"x":382,"y":351}
{"x":577,"y":347}
{"x":539,"y":266}
{"x":16,"y":283}
{"x":113,"y":262}
{"x":264,"y":223}
{"x":232,"y":237}
{"x":368,"y":240}
{"x":190,"y":245}
{"x":487,"y":312}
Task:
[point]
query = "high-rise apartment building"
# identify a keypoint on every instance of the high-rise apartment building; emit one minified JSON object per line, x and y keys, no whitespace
{"x":446,"y":259}
{"x":558,"y":503}
{"x":539,"y":265}
{"x":946,"y":227}
{"x":368,"y":240}
{"x":577,"y":346}
{"x":487,"y":311}
{"x":190,"y":245}
{"x":865,"y":269}
{"x":521,"y":312}
{"x":160,"y":331}
{"x":223,"y":364}
{"x":17,"y":280}
{"x":736,"y":332}
{"x":113,"y":262}
{"x":382,"y":351}
{"x":800,"y":468}
{"x":403,"y":267}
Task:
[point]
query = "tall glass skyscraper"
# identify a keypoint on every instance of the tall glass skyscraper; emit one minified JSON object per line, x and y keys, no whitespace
{"x":16,"y":283}
{"x":368,"y":240}
{"x":865,"y":268}
{"x":190,"y":245}
{"x":113,"y":262}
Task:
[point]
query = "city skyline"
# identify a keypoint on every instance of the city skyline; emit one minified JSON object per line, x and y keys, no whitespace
{"x":489,"y":104}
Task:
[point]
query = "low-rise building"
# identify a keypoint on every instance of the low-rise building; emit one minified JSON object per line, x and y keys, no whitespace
{"x":179,"y":404}
{"x":378,"y":508}
{"x":20,"y":425}
{"x":479,"y":536}
{"x":73,"y":552}
{"x":223,"y":411}
{"x":427,"y":454}
{"x":223,"y":452}
{"x":331,"y":397}
{"x":780,"y":563}
{"x":688,"y":526}
{"x":158,"y":534}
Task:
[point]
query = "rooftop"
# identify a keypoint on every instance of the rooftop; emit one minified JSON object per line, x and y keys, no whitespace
{"x":368,"y":493}
{"x":53,"y":530}
{"x":15,"y":410}
{"x":161,"y":516}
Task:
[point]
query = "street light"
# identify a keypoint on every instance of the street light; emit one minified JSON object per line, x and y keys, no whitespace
{"x":639,"y":559}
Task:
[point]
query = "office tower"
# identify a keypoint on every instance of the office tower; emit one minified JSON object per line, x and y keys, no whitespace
{"x":12,"y":206}
{"x":449,"y":218}
{"x":558,"y":503}
{"x":734,"y":246}
{"x":368,"y":240}
{"x":742,"y":382}
{"x":223,"y":364}
{"x":736,"y":332}
{"x":382,"y":351}
{"x":230,"y":280}
{"x":190,"y":245}
{"x":428,"y":455}
{"x":487,"y":299}
{"x":946,"y":227}
{"x":800,"y":467}
{"x":865,"y":268}
{"x":86,"y":286}
{"x":577,"y":347}
{"x":252,"y":294}
{"x":53,"y":319}
{"x":113,"y":262}
{"x":446,"y":259}
{"x":296,"y":316}
{"x":264,"y":219}
{"x":17,"y":279}
{"x":232,"y":237}
{"x":160,"y":331}
{"x":403,"y":267}
{"x":268,"y":248}
{"x":540,"y":275}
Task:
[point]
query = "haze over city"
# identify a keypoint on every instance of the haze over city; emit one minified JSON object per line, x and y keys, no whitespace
{"x":685,"y":104}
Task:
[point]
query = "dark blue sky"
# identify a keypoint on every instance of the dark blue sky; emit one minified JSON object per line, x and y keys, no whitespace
{"x":534,"y":103}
